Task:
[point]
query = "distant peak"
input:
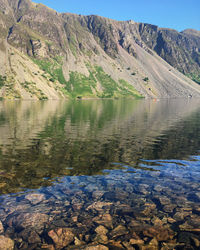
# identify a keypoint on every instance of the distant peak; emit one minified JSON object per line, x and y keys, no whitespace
{"x":131,"y":21}
{"x":191,"y":32}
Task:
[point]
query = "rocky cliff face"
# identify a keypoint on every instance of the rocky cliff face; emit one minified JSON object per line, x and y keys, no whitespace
{"x":179,"y":49}
{"x":49,"y":55}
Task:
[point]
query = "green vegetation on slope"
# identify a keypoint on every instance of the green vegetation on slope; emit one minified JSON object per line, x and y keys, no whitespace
{"x":33,"y":90}
{"x":194,"y":77}
{"x":10,"y":92}
{"x":97,"y":84}
{"x":110,"y":87}
{"x":53,"y":67}
{"x":2,"y":81}
{"x":128,"y":89}
{"x":80,"y":85}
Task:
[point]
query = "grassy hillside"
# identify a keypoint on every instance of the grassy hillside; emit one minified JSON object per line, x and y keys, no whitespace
{"x":97,"y":84}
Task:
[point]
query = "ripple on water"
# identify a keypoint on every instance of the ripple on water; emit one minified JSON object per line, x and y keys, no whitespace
{"x":100,"y":175}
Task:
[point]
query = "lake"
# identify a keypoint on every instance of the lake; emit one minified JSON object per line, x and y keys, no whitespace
{"x":100,"y":174}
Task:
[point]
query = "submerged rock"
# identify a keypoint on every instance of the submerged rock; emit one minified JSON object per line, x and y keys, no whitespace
{"x":195,"y":241}
{"x":171,"y":220}
{"x":101,"y":230}
{"x":98,"y":194}
{"x":169,"y":208}
{"x":164,"y":200}
{"x":105,"y":220}
{"x":6,"y":243}
{"x":29,"y":220}
{"x":159,"y":233}
{"x":61,"y":237}
{"x":101,"y":238}
{"x":158,"y":188}
{"x":1,"y":228}
{"x":115,"y":245}
{"x":78,"y":242}
{"x":136,"y":242}
{"x":156,"y":221}
{"x":99,"y":206}
{"x":198,"y":195}
{"x":96,"y":247}
{"x":35,"y":198}
{"x":153,"y":243}
{"x":172,"y":246}
{"x":34,"y":238}
{"x":128,"y":246}
{"x":119,"y":231}
{"x":179,"y":216}
{"x":48,"y":247}
{"x":188,"y":227}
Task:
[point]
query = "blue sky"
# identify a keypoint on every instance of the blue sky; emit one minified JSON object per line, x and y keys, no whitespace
{"x":175,"y":14}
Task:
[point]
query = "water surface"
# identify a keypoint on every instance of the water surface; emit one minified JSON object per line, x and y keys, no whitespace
{"x":68,"y":164}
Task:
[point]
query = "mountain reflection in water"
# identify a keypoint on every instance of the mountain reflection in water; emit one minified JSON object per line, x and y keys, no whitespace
{"x":100,"y":174}
{"x":40,"y":141}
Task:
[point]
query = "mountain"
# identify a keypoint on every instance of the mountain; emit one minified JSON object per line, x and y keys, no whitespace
{"x":179,"y":49}
{"x":50,"y":55}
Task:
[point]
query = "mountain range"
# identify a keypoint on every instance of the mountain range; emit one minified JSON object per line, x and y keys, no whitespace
{"x":49,"y":55}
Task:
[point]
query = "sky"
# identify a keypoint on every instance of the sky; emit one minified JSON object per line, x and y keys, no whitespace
{"x":175,"y":14}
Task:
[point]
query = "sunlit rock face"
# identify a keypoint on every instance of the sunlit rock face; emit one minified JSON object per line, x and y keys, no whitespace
{"x":49,"y":55}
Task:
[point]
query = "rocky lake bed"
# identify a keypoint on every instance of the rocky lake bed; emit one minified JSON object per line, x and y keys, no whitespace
{"x":125,"y":209}
{"x":148,"y":203}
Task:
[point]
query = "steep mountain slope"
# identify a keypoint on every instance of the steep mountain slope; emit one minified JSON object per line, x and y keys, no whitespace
{"x":45,"y":54}
{"x":179,"y":49}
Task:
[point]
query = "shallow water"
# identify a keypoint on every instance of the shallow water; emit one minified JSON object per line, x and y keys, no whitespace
{"x":131,"y":166}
